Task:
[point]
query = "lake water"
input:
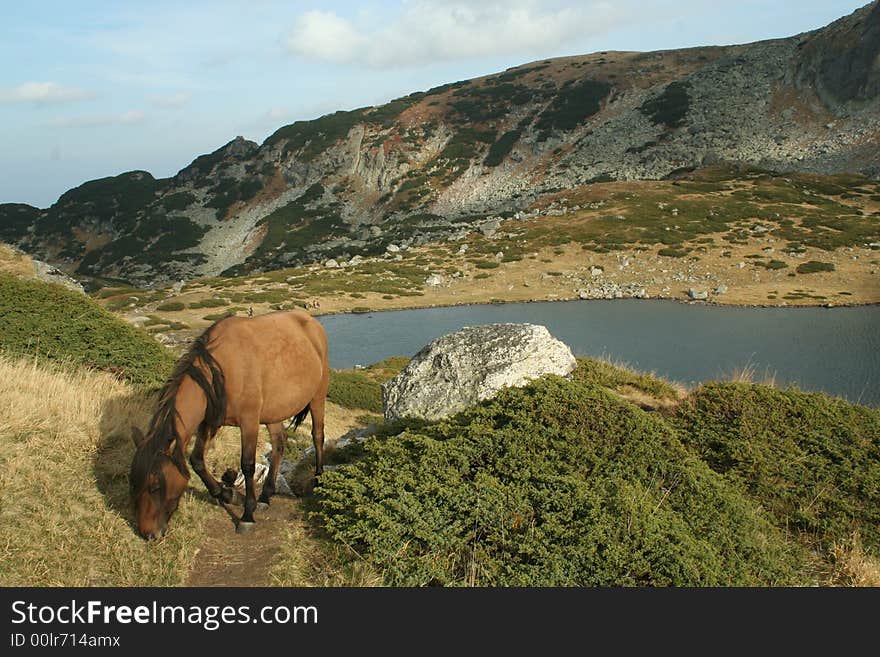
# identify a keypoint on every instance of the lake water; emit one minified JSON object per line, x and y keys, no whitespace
{"x":836,"y":350}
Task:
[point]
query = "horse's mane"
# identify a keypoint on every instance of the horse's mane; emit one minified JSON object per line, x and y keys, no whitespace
{"x":162,"y":430}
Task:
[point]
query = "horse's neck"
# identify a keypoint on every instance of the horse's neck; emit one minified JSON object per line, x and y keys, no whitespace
{"x":190,"y":403}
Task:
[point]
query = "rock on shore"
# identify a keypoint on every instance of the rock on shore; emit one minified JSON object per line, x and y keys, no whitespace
{"x":461,"y":369}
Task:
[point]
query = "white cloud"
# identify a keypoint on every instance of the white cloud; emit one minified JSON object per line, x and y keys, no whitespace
{"x":324,"y":35}
{"x":171,"y":101}
{"x":43,"y":93}
{"x":125,"y":118}
{"x":429,"y":31}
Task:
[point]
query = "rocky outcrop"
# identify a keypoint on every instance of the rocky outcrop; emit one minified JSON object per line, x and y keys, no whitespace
{"x":52,"y":274}
{"x":459,"y":370}
{"x":842,"y":61}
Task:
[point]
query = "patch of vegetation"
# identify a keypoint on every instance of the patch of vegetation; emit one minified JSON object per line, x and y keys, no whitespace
{"x":53,"y":323}
{"x":229,"y":312}
{"x":229,"y":191}
{"x":490,"y":101}
{"x":16,"y":219}
{"x":811,"y":460}
{"x":171,"y":306}
{"x":561,"y":483}
{"x":671,"y":252}
{"x":291,"y":227}
{"x":386,"y":114}
{"x":575,"y":103}
{"x":773,"y":264}
{"x":670,"y":107}
{"x":117,"y":198}
{"x":814,"y":266}
{"x":311,"y":138}
{"x":211,"y":302}
{"x":619,"y":377}
{"x":352,"y":389}
{"x":486,"y":264}
{"x":177,"y":201}
{"x":501,"y":148}
{"x":361,"y":388}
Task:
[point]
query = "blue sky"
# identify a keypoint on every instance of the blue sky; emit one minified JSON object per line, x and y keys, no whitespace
{"x":91,"y":89}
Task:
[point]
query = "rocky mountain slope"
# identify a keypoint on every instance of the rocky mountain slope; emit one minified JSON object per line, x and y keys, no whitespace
{"x":426,"y":165}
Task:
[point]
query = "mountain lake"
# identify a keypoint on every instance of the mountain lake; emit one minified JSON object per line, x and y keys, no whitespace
{"x":835,"y":350}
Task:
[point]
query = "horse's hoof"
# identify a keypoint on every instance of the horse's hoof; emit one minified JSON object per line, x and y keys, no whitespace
{"x":244,"y":527}
{"x":262,"y":506}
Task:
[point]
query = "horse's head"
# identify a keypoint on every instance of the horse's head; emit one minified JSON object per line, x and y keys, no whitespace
{"x":157,"y":484}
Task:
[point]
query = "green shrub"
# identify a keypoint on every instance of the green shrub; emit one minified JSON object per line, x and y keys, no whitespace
{"x":211,"y":302}
{"x":354,"y":390}
{"x":814,"y":266}
{"x":560,"y":483}
{"x":670,"y":107}
{"x":171,"y":306}
{"x":500,"y":149}
{"x":617,"y":377}
{"x":572,"y":105}
{"x":811,"y":460}
{"x":673,"y":253}
{"x":51,"y":322}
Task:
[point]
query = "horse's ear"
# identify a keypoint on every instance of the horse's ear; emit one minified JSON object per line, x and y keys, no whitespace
{"x":137,"y":436}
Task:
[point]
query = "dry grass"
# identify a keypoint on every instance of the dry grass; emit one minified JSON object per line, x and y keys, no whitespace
{"x":852,"y":566}
{"x":748,"y":373}
{"x":16,"y":263}
{"x":65,"y":449}
{"x":308,"y":560}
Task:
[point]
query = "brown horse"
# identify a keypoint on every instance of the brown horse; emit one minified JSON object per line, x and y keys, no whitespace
{"x":240,"y":372}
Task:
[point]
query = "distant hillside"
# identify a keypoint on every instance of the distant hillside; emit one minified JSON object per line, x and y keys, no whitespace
{"x":415,"y":169}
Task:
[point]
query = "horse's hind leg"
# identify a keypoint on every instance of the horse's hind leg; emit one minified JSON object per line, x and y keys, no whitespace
{"x":197,"y":460}
{"x":249,"y":432}
{"x":317,"y":411}
{"x":279,"y":439}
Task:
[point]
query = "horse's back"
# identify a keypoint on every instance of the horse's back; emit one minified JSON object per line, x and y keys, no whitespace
{"x":278,"y":360}
{"x":265,"y":332}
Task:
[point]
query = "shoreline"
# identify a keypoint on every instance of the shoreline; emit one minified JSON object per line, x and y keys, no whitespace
{"x":687,"y":302}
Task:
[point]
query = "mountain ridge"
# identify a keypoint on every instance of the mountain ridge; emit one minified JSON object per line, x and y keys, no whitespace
{"x":421,"y":166}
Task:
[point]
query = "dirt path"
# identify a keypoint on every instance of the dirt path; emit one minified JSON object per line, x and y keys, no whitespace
{"x":229,"y":559}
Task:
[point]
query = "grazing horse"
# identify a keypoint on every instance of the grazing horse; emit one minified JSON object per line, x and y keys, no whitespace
{"x":240,"y":372}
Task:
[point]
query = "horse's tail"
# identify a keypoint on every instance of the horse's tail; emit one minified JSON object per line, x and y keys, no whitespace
{"x":298,"y":418}
{"x":214,"y":389}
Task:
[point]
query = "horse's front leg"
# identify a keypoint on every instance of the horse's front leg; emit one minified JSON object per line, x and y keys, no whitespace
{"x":219,"y":492}
{"x":249,"y":433}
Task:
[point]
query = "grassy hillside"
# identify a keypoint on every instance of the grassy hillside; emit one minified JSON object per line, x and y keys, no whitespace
{"x":569,"y":483}
{"x":49,"y":322}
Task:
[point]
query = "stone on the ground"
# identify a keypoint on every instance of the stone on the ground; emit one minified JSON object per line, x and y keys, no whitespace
{"x":459,"y":370}
{"x":693,"y":293}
